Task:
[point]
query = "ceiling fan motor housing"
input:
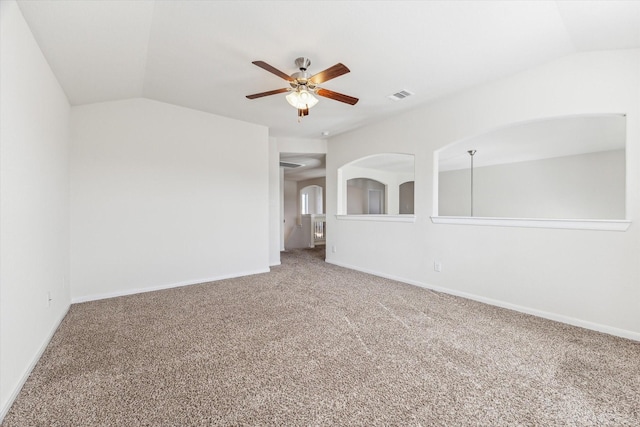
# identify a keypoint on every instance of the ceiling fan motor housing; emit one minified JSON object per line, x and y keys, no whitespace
{"x":301,"y":78}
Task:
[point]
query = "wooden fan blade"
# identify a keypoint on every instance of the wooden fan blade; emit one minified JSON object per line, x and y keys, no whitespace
{"x":273,"y":70}
{"x":271,"y":92}
{"x":330,"y":73}
{"x":337,"y":96}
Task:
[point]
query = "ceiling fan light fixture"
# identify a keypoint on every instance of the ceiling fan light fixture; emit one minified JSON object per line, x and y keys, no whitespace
{"x":301,"y":99}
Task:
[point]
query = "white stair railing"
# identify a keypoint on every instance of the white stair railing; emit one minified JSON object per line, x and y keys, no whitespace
{"x":319,"y":225}
{"x":314,"y":226}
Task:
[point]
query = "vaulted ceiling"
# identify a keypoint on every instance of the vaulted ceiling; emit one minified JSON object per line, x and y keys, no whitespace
{"x":198,"y":54}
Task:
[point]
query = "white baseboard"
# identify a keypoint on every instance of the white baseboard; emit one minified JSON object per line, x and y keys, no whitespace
{"x":623,"y":333}
{"x":32,"y":364}
{"x":95,"y":297}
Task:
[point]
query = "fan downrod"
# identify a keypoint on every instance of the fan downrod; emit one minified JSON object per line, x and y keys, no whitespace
{"x":303,"y":63}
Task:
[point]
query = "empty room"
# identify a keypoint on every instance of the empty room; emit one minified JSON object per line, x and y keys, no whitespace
{"x":412,"y":213}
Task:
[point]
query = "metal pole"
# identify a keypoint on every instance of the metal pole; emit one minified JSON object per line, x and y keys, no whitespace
{"x":471,"y":153}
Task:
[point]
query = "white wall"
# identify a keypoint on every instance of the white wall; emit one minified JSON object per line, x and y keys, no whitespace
{"x":162,"y":195}
{"x":301,"y":145}
{"x":34,"y":203}
{"x":590,"y":278}
{"x":291,"y":217}
{"x":274,"y":203}
{"x":582,"y":186}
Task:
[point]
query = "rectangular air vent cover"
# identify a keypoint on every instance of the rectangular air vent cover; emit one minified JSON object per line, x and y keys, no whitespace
{"x":400,"y":95}
{"x":290,"y":165}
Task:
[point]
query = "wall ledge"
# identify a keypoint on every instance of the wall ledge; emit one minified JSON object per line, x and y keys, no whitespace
{"x":568,"y":224}
{"x":383,"y":218}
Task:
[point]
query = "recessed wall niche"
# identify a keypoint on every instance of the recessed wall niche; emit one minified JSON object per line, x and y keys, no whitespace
{"x":557,"y":168}
{"x":381,"y":184}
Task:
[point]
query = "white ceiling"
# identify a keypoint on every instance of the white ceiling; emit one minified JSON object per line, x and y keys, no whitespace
{"x":388,"y":162}
{"x":540,"y":139}
{"x":312,"y":165}
{"x":198,"y":54}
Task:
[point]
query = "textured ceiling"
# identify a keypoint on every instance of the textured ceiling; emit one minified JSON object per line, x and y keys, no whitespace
{"x":198,"y":54}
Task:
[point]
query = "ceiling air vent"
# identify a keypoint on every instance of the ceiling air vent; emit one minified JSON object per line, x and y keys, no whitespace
{"x":400,"y":95}
{"x":290,"y":165}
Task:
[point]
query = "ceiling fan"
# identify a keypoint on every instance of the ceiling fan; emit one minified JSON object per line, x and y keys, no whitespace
{"x":303,"y":85}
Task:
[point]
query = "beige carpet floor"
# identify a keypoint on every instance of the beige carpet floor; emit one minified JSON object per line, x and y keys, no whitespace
{"x":314,"y":344}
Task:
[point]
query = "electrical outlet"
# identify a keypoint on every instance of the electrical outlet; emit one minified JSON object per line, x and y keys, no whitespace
{"x":437,"y":266}
{"x":333,"y":249}
{"x":49,"y":299}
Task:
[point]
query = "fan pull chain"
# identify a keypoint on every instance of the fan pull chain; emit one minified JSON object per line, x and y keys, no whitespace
{"x":303,"y":112}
